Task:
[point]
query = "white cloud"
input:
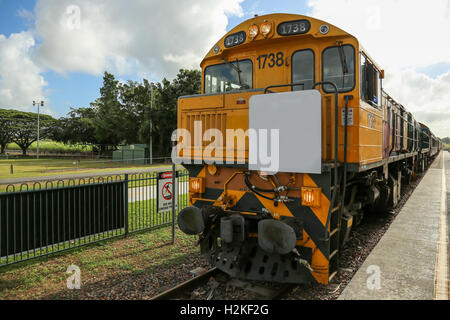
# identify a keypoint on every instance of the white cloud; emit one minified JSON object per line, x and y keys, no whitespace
{"x":20,"y":79}
{"x":427,"y":98}
{"x":26,"y":15}
{"x":143,"y":37}
{"x":398,"y":33}
{"x":156,"y":37}
{"x":402,"y":36}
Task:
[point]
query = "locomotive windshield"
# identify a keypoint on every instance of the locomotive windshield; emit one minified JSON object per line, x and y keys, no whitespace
{"x":339,"y":67}
{"x":303,"y":69}
{"x":229,"y":76}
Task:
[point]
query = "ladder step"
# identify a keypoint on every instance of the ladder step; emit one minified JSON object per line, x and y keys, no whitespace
{"x":333,"y":254}
{"x":334,"y":232}
{"x":332,"y":276}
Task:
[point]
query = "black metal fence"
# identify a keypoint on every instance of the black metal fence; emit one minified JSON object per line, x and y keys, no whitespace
{"x":44,"y":218}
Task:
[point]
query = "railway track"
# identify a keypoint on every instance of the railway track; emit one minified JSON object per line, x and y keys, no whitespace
{"x":188,"y":286}
{"x":184,"y":290}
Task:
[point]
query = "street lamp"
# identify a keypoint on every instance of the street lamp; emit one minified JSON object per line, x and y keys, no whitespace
{"x":39,"y":104}
{"x":150,"y":119}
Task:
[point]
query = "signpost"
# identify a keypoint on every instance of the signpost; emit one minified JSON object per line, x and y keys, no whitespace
{"x":175,"y":199}
{"x":166,"y":191}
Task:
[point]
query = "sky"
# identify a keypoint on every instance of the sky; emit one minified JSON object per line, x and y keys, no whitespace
{"x":57,"y":50}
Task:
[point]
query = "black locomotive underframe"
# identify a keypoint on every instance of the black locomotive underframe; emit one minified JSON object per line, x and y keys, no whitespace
{"x":246,"y":260}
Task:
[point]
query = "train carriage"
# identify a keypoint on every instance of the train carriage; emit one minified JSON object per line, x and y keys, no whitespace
{"x":345,"y":148}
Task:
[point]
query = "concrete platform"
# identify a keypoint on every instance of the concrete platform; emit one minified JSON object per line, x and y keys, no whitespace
{"x":411,"y":260}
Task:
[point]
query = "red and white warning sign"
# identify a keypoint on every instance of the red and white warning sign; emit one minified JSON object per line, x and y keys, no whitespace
{"x":165,"y":191}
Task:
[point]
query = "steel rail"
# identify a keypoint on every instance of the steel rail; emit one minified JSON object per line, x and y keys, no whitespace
{"x":185,"y":286}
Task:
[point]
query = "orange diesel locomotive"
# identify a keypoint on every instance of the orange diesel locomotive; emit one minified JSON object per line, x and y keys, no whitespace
{"x":345,"y":148}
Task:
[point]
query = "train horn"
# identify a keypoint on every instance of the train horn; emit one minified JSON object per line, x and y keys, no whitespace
{"x":190,"y":220}
{"x":276,"y":237}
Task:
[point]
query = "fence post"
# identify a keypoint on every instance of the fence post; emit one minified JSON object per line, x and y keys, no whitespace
{"x":127,"y":227}
{"x":12,"y":169}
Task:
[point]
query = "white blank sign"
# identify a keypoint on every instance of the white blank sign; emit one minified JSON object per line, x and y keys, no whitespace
{"x":298,"y":117}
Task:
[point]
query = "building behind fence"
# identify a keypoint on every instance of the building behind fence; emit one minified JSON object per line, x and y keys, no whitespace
{"x":45,"y":218}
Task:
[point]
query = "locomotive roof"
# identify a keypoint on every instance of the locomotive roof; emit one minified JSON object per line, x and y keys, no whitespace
{"x":276,"y":19}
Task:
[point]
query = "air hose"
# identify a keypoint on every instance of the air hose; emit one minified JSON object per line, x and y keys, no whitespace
{"x":253,"y":189}
{"x":257,"y":190}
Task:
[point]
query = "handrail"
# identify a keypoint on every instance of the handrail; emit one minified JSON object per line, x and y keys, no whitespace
{"x":336,"y":123}
{"x":283,"y":85}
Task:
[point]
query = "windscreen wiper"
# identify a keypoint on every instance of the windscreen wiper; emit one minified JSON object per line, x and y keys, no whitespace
{"x":342,"y":57}
{"x":235,"y":68}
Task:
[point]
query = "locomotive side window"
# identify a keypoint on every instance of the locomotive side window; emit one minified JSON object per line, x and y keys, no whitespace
{"x":303,"y":69}
{"x":339,"y":67}
{"x":370,"y":82}
{"x":362,"y":76}
{"x":229,"y":76}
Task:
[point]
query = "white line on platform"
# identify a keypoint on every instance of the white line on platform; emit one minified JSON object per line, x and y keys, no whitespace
{"x":441,"y":272}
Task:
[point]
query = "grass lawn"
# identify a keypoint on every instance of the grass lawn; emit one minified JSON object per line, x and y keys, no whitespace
{"x":56,"y":167}
{"x":45,"y":278}
{"x":136,"y":180}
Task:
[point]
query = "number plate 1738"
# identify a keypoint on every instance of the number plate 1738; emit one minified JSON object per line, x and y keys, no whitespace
{"x":270,"y":60}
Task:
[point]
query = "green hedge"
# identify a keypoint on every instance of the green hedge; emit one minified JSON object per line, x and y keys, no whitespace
{"x":53,"y":147}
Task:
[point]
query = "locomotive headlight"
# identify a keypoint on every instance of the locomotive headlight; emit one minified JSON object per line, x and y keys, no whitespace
{"x":196,"y":185}
{"x":265,"y":28}
{"x":253,"y":31}
{"x":311,"y":197}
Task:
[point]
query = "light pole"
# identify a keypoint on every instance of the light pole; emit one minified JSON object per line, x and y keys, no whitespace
{"x":150,"y":119}
{"x":39,"y":104}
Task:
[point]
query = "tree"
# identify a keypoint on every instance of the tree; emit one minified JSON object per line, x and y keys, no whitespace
{"x":77,"y":127}
{"x":6,"y":128}
{"x":24,"y":129}
{"x":109,"y":124}
{"x":446,"y":140}
{"x":164,"y":116}
{"x":135,"y":99}
{"x":122,"y":113}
